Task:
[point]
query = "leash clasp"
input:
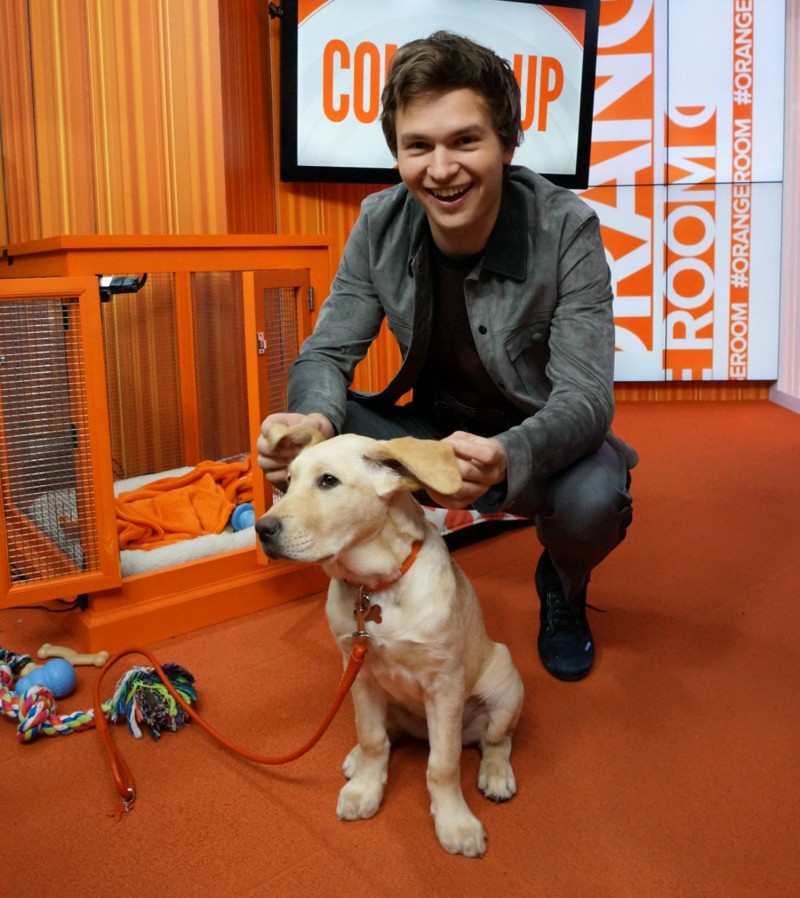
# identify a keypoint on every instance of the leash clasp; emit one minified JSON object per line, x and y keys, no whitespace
{"x":365,"y":611}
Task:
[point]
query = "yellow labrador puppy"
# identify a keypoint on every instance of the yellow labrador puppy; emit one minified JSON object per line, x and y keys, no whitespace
{"x":431,"y":670}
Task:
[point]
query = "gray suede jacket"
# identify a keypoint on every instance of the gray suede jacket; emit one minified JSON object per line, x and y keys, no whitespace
{"x":539,"y":304}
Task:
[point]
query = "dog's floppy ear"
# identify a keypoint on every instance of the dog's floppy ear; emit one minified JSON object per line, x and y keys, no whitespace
{"x":428,"y":463}
{"x":300,"y":436}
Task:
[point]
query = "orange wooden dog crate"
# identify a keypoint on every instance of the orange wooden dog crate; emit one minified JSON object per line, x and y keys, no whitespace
{"x":96,"y":389}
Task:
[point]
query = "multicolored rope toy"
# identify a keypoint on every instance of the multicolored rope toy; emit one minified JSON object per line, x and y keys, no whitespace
{"x":139,"y":698}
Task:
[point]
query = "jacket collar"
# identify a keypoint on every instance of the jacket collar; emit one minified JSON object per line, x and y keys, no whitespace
{"x":506,"y":249}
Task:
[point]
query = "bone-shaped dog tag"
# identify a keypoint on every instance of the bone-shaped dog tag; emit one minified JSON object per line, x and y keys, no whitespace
{"x":373,"y":614}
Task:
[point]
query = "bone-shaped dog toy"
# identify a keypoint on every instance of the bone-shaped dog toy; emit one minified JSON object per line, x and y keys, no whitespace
{"x":60,"y":651}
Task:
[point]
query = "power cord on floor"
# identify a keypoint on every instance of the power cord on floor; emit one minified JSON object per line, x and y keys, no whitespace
{"x":79,"y":603}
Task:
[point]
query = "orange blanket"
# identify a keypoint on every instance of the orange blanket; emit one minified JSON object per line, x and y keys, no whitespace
{"x":178,"y":508}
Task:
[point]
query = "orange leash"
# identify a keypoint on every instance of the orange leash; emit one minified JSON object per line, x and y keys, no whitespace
{"x":120,"y":772}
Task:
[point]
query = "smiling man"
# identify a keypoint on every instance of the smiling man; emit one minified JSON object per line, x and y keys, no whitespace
{"x":494,"y":283}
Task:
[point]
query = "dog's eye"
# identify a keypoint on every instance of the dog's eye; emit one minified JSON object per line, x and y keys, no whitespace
{"x":328,"y":481}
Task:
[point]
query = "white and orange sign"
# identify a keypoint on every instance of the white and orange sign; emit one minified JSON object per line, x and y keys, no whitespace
{"x":685,"y":175}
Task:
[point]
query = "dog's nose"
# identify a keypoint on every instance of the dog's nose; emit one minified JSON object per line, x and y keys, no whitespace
{"x":268,"y":527}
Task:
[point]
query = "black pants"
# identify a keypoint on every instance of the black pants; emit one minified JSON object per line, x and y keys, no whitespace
{"x":581,"y":513}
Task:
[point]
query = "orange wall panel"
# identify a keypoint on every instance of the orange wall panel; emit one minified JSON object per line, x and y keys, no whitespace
{"x":247,"y":117}
{"x":20,"y":194}
{"x":157,"y":117}
{"x":61,"y":106}
{"x":111,"y":114}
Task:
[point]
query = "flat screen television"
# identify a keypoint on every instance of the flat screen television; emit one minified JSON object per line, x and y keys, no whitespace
{"x":334,"y":57}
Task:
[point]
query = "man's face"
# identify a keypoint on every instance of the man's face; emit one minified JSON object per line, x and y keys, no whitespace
{"x":451,"y":160}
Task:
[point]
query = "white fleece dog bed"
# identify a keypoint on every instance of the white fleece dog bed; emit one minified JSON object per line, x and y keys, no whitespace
{"x":141,"y":561}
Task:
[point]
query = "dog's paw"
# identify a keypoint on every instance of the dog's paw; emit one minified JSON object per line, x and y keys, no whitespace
{"x":496,"y":779}
{"x":461,"y":834}
{"x":358,"y":801}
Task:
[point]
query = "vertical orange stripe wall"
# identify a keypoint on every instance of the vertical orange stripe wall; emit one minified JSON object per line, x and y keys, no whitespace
{"x":111,"y":115}
{"x":161,"y":116}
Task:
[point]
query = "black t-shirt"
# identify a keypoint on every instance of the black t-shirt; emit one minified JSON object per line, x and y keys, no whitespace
{"x":454,"y":374}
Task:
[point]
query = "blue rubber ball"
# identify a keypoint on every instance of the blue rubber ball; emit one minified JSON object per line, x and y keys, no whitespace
{"x":244,"y":515}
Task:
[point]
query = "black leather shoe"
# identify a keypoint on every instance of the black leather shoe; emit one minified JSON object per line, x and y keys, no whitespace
{"x":565,"y":641}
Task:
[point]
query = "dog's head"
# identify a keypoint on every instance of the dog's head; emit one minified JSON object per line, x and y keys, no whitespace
{"x":341,"y":490}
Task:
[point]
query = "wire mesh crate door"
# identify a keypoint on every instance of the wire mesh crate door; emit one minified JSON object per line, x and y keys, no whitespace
{"x":276,"y":319}
{"x":49,"y":492}
{"x":282,"y":343}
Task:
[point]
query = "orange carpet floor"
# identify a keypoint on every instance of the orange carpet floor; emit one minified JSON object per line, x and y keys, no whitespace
{"x":672,"y":770}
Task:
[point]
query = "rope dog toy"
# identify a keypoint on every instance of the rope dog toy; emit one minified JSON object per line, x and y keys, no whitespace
{"x":139,"y":698}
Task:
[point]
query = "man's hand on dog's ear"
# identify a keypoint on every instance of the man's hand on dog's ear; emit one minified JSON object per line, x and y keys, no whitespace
{"x":482,"y":463}
{"x":274,"y":460}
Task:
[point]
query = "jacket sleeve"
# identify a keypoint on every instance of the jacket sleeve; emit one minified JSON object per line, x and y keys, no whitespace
{"x":575,"y":419}
{"x":348,"y":323}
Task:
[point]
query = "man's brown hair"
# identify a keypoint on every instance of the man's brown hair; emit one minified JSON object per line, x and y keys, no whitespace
{"x":445,"y":62}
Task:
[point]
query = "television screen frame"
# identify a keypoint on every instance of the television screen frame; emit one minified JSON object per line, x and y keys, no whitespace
{"x":293,"y":168}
